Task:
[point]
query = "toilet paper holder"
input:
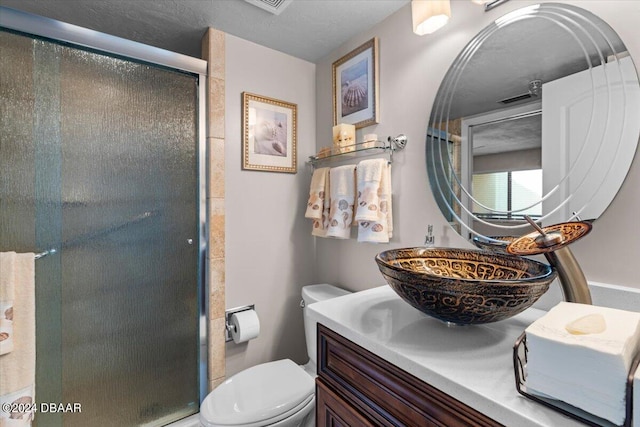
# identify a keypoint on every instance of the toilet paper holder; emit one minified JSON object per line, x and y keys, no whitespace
{"x":227,"y":319}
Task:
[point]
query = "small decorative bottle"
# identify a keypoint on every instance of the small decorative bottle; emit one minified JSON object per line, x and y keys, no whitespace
{"x":429,"y":240}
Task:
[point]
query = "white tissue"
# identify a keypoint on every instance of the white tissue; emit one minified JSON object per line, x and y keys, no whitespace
{"x":245,"y":326}
{"x":636,"y":399}
{"x":588,"y":371}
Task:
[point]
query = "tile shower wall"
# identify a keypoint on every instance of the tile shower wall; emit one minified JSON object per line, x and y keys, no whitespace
{"x":213,"y":50}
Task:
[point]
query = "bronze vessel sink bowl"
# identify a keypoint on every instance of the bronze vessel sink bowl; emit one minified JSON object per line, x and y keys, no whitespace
{"x":464,"y":286}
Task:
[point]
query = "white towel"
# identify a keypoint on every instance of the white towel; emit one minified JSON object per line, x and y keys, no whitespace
{"x":320,"y":226}
{"x":318,"y":204}
{"x":342,"y":194}
{"x":23,"y":398}
{"x":7,"y":296}
{"x":315,"y":205}
{"x":374,"y":216}
{"x":369,"y":175}
{"x":17,"y":369}
{"x":587,"y":370}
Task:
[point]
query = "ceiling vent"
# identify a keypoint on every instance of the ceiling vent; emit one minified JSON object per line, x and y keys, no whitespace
{"x":272,"y":6}
{"x":516,"y":98}
{"x":535,"y":89}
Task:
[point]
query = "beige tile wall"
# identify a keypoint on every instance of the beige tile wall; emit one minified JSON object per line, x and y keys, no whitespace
{"x":213,"y":51}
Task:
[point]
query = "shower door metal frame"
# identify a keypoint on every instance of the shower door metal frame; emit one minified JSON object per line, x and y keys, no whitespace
{"x":85,"y":38}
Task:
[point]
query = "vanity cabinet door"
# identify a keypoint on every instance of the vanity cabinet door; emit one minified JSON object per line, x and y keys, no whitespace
{"x":332,"y":411}
{"x":384,"y":393}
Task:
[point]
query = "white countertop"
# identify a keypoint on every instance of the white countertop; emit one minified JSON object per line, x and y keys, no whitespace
{"x":473,"y":364}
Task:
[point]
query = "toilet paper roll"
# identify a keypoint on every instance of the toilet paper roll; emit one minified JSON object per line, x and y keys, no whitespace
{"x":245,"y":326}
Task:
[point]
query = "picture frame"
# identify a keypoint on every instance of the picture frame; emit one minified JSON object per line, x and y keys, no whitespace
{"x":355,"y":86}
{"x":269,"y":134}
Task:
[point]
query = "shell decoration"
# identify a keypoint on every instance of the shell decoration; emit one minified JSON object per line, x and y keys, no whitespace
{"x":354,"y":95}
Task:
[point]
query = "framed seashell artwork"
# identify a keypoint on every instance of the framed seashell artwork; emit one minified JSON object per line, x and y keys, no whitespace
{"x":269,"y":129}
{"x":355,"y":86}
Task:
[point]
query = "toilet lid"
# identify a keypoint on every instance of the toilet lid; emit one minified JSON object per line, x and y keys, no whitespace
{"x":259,"y":393}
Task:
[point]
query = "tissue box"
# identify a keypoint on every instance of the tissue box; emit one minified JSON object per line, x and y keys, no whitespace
{"x":582,"y":354}
{"x":636,"y":399}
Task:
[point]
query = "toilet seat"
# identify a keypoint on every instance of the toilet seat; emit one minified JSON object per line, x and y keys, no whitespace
{"x":259,"y":396}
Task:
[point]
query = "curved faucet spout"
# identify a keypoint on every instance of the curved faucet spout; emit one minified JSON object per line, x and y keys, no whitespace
{"x":572,"y":281}
{"x":553,"y":241}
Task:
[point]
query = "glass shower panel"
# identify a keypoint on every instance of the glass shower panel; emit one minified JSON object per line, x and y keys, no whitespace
{"x":107,"y":175}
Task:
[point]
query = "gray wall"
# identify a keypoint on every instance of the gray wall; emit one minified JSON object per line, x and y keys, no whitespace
{"x":411,"y":69}
{"x":511,"y":160}
{"x":269,"y":248}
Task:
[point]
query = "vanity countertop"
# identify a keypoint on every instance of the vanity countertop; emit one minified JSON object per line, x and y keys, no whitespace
{"x":470,"y":363}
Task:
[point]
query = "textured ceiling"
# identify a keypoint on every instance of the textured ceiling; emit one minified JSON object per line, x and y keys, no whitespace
{"x":307,"y":29}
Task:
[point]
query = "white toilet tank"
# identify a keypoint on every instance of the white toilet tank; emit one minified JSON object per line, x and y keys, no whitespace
{"x":311,"y":294}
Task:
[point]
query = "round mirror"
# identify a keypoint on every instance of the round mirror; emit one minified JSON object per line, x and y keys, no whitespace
{"x":537,"y":116}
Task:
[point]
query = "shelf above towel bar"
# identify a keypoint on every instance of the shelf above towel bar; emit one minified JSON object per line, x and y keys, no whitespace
{"x":392,"y":144}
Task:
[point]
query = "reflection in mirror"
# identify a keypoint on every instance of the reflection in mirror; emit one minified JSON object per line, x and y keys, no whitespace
{"x":505,"y":165}
{"x":537,"y":116}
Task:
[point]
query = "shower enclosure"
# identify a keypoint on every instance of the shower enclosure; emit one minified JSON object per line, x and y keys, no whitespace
{"x":100,"y":175}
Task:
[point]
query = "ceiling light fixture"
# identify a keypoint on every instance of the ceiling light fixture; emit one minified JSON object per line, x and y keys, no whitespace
{"x":429,"y":15}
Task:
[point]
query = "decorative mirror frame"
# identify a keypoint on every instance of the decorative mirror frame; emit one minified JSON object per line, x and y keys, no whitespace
{"x":452,"y":194}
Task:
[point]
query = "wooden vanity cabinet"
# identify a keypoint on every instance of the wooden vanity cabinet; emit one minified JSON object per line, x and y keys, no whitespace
{"x":356,"y":388}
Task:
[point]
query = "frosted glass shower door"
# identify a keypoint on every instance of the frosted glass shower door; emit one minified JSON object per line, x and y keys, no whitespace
{"x":99,"y":161}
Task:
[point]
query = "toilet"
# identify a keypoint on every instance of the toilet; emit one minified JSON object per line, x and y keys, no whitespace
{"x":274,"y":394}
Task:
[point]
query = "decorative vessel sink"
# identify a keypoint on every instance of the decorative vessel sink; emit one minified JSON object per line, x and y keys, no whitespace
{"x":464,"y":286}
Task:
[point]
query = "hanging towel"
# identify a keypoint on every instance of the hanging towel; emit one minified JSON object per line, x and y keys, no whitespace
{"x":386,"y":202}
{"x":318,"y":204}
{"x":7,"y":296}
{"x":342,"y":195}
{"x":17,"y":369}
{"x":376,"y":225}
{"x":320,"y":226}
{"x":369,"y":175}
{"x":315,"y":204}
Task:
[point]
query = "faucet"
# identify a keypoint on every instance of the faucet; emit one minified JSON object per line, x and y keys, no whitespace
{"x":553,"y":242}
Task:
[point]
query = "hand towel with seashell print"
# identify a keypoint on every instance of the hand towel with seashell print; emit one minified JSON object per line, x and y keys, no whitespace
{"x":18,"y":367}
{"x":373,"y":212}
{"x":7,"y":296}
{"x":318,"y":204}
{"x":342,"y":195}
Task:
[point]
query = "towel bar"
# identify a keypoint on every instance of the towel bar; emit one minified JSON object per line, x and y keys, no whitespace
{"x":100,"y":233}
{"x":45,"y":253}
